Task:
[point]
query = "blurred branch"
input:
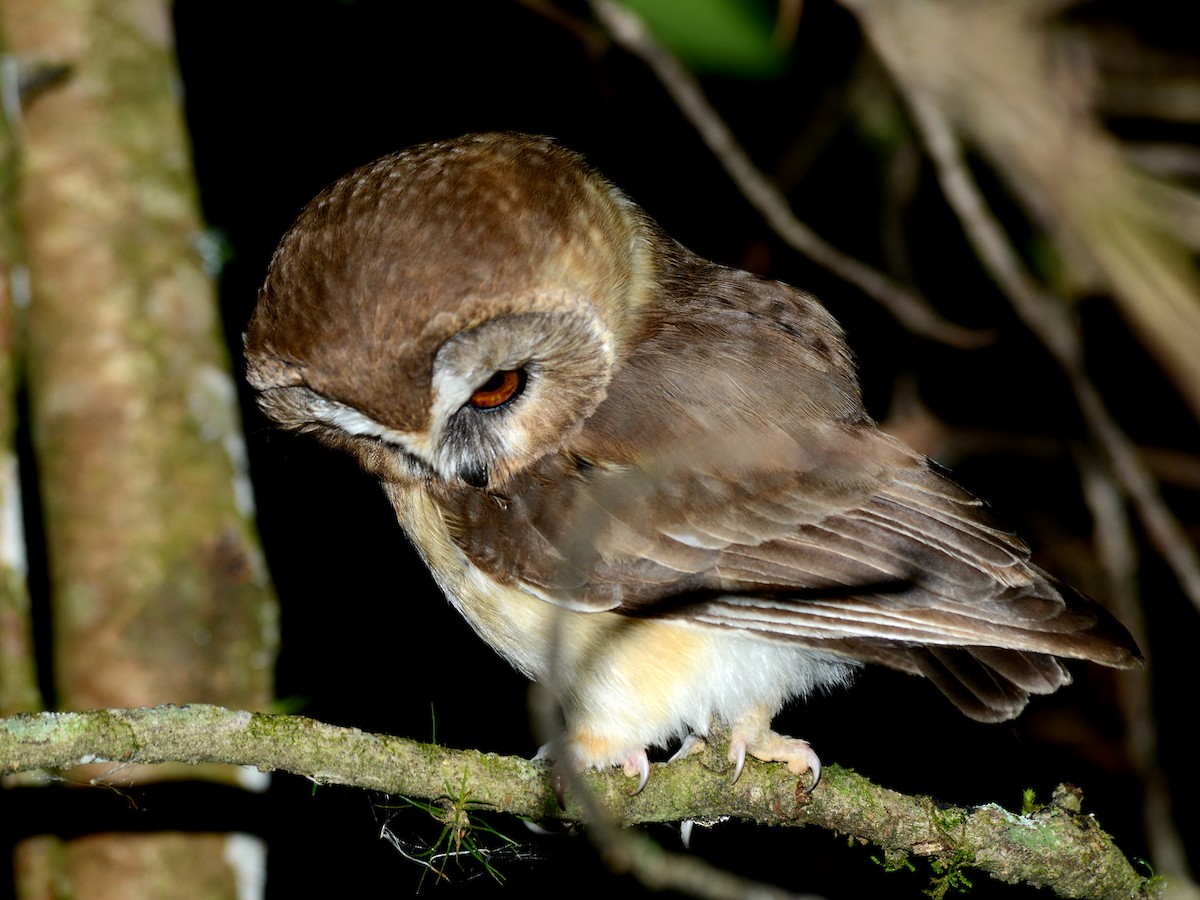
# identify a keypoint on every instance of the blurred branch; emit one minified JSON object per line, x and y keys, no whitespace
{"x":1116,"y":554}
{"x":1054,"y":847}
{"x":1165,"y":159}
{"x":1172,"y":99}
{"x":1023,"y":95}
{"x":909,"y":308}
{"x":1044,"y":315}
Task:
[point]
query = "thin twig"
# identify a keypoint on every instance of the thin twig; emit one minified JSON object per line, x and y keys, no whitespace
{"x":908,"y":307}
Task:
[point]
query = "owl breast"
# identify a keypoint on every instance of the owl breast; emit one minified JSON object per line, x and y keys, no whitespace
{"x":636,"y":682}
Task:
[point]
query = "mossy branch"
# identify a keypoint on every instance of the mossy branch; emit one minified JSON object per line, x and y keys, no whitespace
{"x":1055,"y":847}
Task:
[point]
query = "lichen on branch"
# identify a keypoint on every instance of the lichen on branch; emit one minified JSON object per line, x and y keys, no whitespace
{"x":1055,"y":847}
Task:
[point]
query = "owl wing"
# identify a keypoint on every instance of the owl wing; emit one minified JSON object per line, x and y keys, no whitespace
{"x":732,"y":479}
{"x":741,"y":486}
{"x":898,"y":566}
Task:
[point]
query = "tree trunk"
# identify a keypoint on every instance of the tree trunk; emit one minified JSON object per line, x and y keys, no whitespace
{"x":159,"y":590}
{"x":18,"y":672}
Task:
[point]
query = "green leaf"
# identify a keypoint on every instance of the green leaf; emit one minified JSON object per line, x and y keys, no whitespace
{"x":725,"y":37}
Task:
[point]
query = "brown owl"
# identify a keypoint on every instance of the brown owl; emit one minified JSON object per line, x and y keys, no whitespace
{"x":646,"y":480}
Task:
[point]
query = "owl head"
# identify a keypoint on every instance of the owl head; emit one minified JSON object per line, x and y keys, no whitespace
{"x":454,"y":311}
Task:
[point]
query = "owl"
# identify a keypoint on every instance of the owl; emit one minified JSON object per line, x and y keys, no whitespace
{"x":646,"y":480}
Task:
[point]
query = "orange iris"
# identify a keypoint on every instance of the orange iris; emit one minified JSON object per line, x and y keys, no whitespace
{"x":498,"y":389}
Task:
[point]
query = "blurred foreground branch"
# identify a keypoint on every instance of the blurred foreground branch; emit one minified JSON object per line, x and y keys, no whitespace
{"x":1054,"y":847}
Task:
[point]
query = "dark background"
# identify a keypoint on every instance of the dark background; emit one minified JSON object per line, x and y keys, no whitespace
{"x":283,"y":97}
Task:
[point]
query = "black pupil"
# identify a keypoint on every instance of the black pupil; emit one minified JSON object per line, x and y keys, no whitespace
{"x":493,"y":384}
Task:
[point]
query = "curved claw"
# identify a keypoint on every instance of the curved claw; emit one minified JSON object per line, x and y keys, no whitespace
{"x":558,"y":781}
{"x":737,"y":754}
{"x":638,"y":763}
{"x":768,"y":746}
{"x":685,"y":833}
{"x":693,"y":743}
{"x":814,"y":765}
{"x":558,"y":777}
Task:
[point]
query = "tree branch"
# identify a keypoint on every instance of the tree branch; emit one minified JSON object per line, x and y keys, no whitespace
{"x":1054,"y":847}
{"x":910,"y":309}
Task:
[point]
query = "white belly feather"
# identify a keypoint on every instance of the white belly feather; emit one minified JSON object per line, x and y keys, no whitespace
{"x":635,"y":682}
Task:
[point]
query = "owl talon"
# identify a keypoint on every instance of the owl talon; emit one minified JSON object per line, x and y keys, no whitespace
{"x":558,"y":775}
{"x":638,"y":764}
{"x":753,"y":736}
{"x":558,"y":781}
{"x":737,"y":756}
{"x":693,"y":743}
{"x":814,"y":766}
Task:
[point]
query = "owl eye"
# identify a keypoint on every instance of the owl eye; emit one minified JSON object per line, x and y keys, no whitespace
{"x":503,"y":387}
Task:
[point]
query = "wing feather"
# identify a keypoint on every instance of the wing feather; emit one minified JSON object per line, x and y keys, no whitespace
{"x":912,"y":573}
{"x":786,"y":514}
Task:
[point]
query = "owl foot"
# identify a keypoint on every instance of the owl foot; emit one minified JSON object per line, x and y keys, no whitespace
{"x":637,"y":762}
{"x":558,"y":776}
{"x":693,"y":743}
{"x":752,"y":736}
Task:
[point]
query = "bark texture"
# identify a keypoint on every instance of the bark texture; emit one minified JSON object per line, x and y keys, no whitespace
{"x":1055,"y":846}
{"x":158,"y":587}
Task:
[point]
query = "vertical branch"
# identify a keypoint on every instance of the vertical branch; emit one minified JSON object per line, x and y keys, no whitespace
{"x":159,"y":589}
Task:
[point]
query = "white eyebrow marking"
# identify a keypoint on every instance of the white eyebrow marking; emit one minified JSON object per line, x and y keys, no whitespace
{"x":350,"y":420}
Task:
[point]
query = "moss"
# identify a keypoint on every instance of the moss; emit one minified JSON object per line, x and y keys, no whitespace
{"x":894,"y":860}
{"x":1029,"y":804}
{"x":949,"y":875}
